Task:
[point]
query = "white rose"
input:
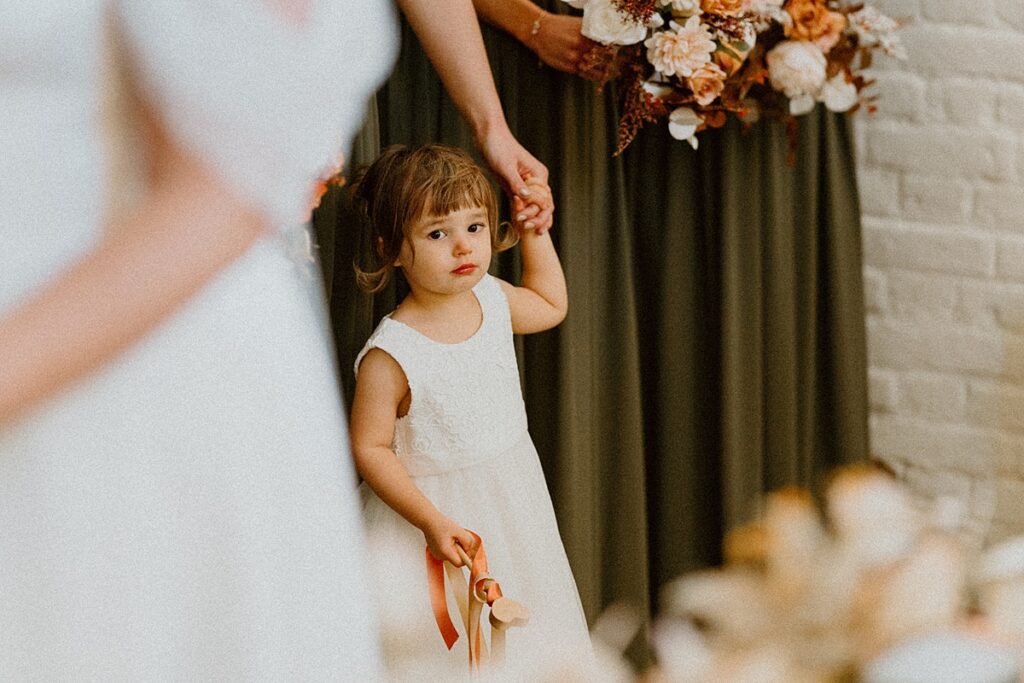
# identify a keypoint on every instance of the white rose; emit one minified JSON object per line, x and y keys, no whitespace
{"x":796,"y":67}
{"x":603,"y":22}
{"x":838,"y":94}
{"x":682,"y":125}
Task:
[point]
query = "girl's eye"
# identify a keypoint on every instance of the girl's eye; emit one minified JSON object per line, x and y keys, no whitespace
{"x":435,"y":235}
{"x":476,"y":227}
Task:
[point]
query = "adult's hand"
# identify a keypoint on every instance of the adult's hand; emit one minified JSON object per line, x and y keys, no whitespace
{"x":559,"y":44}
{"x":514,"y":166}
{"x":450,"y":34}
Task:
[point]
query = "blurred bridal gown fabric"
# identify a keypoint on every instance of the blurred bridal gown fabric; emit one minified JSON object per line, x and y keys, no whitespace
{"x":189,"y":511}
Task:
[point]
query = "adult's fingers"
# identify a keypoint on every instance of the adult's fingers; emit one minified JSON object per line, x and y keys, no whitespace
{"x":512,"y":180}
{"x":527,"y":212}
{"x":530,"y":167}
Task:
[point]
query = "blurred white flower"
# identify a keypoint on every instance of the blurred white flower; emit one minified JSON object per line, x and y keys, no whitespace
{"x":682,"y":125}
{"x":943,"y":656}
{"x":683,"y":653}
{"x":603,"y":22}
{"x":681,"y":50}
{"x":873,"y":517}
{"x":796,"y":67}
{"x":838,"y":94}
{"x":578,"y":4}
{"x":876,"y":29}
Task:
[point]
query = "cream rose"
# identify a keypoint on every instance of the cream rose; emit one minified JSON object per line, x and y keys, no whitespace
{"x":796,"y":67}
{"x":603,"y":22}
{"x":681,"y":50}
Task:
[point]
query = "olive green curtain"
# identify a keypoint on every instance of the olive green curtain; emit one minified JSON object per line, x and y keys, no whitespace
{"x":751,"y":324}
{"x":714,"y":347}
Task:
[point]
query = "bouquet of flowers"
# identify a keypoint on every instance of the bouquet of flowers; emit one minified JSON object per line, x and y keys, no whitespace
{"x":697,"y":61}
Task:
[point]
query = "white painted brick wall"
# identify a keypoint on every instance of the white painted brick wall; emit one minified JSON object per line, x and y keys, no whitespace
{"x":941,"y":178}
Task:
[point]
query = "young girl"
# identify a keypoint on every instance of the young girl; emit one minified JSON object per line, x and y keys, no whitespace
{"x":438,"y":424}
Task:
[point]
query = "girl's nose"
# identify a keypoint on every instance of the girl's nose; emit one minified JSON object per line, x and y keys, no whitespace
{"x":462,"y":246}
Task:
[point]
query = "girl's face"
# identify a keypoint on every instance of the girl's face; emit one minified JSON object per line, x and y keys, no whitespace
{"x":447,"y":254}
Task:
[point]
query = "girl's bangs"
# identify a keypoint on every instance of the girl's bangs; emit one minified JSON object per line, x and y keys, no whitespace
{"x":463,"y":191}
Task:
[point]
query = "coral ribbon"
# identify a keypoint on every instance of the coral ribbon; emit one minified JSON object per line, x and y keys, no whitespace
{"x":435,"y":579}
{"x":482,"y":588}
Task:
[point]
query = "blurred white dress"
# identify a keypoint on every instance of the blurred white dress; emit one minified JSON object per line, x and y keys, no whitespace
{"x":188,"y":512}
{"x":465,"y":444}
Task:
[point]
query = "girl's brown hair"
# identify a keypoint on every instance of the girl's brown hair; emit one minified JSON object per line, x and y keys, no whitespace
{"x":407,"y":183}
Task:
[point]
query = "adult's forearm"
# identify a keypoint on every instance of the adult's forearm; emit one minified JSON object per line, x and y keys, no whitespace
{"x":450,"y":35}
{"x":515,"y":17}
{"x":151,"y":263}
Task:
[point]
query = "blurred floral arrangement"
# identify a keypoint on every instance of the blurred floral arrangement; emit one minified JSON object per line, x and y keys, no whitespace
{"x":882,"y":588}
{"x":697,"y":61}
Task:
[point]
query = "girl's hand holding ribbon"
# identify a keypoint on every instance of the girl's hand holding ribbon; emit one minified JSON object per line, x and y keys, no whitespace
{"x":442,"y":535}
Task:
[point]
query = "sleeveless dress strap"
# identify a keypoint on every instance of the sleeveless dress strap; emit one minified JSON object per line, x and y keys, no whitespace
{"x":493,"y":302}
{"x":389,"y":337}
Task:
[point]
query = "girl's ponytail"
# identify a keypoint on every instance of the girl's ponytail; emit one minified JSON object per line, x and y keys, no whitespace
{"x":375,"y":207}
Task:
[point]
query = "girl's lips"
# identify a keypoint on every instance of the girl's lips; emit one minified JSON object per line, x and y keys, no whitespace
{"x":464,"y":269}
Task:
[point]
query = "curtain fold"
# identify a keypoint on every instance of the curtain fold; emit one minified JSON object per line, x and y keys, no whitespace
{"x":714,"y":347}
{"x":752,"y":324}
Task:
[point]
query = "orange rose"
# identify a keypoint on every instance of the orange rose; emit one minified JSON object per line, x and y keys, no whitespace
{"x":727,"y":7}
{"x":812,"y":21}
{"x":707,"y":83}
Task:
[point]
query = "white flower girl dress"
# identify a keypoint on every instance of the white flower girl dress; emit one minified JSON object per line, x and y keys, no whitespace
{"x":465,"y":443}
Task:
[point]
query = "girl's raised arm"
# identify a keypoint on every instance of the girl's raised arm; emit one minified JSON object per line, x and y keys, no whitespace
{"x":542,"y":301}
{"x":380,"y":389}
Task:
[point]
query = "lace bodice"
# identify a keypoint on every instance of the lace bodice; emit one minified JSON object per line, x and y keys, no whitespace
{"x":467,"y":403}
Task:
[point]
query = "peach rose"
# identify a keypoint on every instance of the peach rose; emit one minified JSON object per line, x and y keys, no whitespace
{"x":727,"y":7}
{"x":814,"y":22}
{"x":707,"y":83}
